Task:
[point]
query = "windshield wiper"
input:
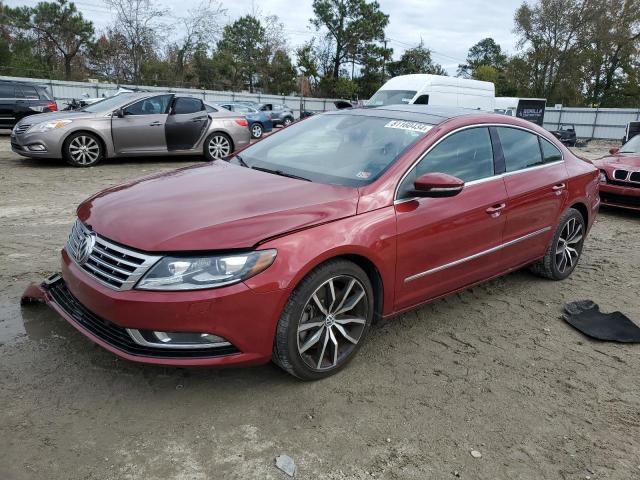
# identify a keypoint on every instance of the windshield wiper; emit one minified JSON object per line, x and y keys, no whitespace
{"x":242,"y":162}
{"x":281,"y":173}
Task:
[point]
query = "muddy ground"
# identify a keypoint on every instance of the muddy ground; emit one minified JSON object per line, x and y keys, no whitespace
{"x":493,"y":369}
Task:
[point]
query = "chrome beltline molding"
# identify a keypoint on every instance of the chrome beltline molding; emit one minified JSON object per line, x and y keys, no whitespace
{"x":475,"y":255}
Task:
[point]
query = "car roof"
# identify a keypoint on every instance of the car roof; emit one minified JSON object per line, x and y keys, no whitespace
{"x":430,"y":114}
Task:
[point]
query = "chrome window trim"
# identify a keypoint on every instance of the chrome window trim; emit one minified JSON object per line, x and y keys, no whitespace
{"x":137,"y":337}
{"x":476,"y":255}
{"x":474,"y":182}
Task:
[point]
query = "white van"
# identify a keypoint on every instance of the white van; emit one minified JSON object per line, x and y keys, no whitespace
{"x":438,"y":90}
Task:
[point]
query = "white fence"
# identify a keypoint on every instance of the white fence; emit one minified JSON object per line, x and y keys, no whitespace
{"x":604,"y":123}
{"x":65,"y":91}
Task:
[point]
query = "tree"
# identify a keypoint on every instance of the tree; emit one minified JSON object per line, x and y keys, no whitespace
{"x":281,"y":74}
{"x":245,"y":42}
{"x":485,"y":52}
{"x":415,"y":60}
{"x":57,"y":24}
{"x":353,"y":25}
{"x":137,"y":25}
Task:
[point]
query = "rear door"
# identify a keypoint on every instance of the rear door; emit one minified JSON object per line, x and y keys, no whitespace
{"x":444,"y":244}
{"x":186,"y":123}
{"x":141,"y":129}
{"x":536,"y":182}
{"x":7,"y":105}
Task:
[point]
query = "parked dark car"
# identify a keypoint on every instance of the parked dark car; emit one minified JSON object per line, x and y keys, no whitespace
{"x":259,"y":122}
{"x":18,"y":100}
{"x":280,"y":114}
{"x":566,"y":134}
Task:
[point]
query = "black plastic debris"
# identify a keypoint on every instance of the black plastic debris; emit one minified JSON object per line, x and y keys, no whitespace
{"x":586,"y":317}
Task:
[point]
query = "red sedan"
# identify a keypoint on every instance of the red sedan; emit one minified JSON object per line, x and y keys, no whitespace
{"x":293,"y":248}
{"x":620,"y":176}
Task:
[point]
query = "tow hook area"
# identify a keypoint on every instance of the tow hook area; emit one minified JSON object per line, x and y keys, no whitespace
{"x":34,"y":293}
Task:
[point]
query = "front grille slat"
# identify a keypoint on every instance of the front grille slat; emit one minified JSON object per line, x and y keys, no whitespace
{"x":117,"y":336}
{"x":20,"y":129}
{"x":112,"y":265}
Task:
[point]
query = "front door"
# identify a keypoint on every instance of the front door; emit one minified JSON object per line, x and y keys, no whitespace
{"x":186,"y":123}
{"x":141,"y":129}
{"x":535,"y":179}
{"x":444,"y":244}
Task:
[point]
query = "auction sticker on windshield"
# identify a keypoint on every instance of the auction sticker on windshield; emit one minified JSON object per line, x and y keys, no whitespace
{"x":411,"y":126}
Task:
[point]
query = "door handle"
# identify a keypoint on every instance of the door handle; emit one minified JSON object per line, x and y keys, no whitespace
{"x":496,"y":210}
{"x":155,"y":124}
{"x":198,"y":120}
{"x":559,"y":188}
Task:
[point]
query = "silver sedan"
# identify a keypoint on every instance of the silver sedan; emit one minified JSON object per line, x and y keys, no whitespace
{"x":132,"y":124}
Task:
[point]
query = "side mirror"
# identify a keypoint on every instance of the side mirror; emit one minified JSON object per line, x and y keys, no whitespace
{"x":437,"y":185}
{"x":119,"y":113}
{"x":614,"y":151}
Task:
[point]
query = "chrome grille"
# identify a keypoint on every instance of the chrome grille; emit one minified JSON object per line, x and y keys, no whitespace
{"x":111,"y":265}
{"x":20,"y":129}
{"x":635,"y":177}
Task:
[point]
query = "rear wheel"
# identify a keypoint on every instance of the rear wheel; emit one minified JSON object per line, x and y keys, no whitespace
{"x":82,"y":150}
{"x":218,"y":145}
{"x":256,"y":130}
{"x":562,"y":256}
{"x":325,"y":322}
{"x":287,"y":121}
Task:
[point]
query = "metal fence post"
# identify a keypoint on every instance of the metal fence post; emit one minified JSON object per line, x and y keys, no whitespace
{"x":595,"y":122}
{"x":560,"y":117}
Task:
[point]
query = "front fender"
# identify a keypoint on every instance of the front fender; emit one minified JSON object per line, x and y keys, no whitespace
{"x":371,"y":235}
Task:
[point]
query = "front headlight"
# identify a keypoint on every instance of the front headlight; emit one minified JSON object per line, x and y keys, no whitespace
{"x":46,"y":126}
{"x":603,"y":176}
{"x":196,"y":273}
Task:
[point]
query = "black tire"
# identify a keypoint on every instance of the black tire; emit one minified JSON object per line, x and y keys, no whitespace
{"x":562,"y":246}
{"x":256,"y":130}
{"x":287,"y":121}
{"x":302,"y":309}
{"x":217,"y":146}
{"x":82,"y":149}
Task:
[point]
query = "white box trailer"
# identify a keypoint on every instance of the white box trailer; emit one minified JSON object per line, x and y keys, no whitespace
{"x":425,"y":89}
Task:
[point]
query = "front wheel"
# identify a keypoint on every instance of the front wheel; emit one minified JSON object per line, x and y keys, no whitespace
{"x":325,"y":321}
{"x":287,"y":121}
{"x":217,"y":146}
{"x":256,"y":130}
{"x":82,"y":150}
{"x":563,"y":253}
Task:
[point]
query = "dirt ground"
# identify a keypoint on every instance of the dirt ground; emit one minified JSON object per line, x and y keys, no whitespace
{"x":493,"y":369}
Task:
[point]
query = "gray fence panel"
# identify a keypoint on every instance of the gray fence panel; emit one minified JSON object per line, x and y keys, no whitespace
{"x":599,"y":123}
{"x":65,"y":91}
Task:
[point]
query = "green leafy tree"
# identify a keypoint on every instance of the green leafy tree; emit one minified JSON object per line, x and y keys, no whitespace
{"x":58,"y":25}
{"x":415,"y":60}
{"x":354,"y":27}
{"x":280,"y":74}
{"x":485,"y":52}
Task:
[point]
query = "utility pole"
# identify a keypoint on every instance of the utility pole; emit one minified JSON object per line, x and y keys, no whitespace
{"x":384,"y":62}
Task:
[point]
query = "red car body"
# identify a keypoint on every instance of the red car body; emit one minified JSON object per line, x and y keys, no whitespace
{"x":621,"y":185}
{"x":412,"y":249}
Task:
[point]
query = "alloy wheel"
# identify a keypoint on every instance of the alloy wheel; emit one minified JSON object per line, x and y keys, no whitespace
{"x":84,"y":150}
{"x":256,"y":131}
{"x":219,"y":146}
{"x":332,"y":322}
{"x":568,"y":246}
{"x":287,"y":122}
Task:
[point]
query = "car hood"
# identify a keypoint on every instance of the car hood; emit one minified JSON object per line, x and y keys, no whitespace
{"x":216,"y":206}
{"x":45,"y":117}
{"x":627,"y":161}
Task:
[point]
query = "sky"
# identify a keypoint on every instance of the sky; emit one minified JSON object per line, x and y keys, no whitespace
{"x":448,"y":27}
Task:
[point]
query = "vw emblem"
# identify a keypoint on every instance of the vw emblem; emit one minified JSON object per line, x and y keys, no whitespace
{"x":85,"y":248}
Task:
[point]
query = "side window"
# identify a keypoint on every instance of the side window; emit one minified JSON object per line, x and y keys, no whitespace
{"x":149,"y":106}
{"x":422,"y":100}
{"x":467,"y":155}
{"x":7,"y":90}
{"x":184,"y":105}
{"x":521,"y":148}
{"x":210,"y":109}
{"x":549,"y":152}
{"x":29,"y":92}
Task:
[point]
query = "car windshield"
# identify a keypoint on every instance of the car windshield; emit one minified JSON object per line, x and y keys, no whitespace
{"x":108,"y":103}
{"x":391,"y":97}
{"x":338,"y":149}
{"x":632,"y":146}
